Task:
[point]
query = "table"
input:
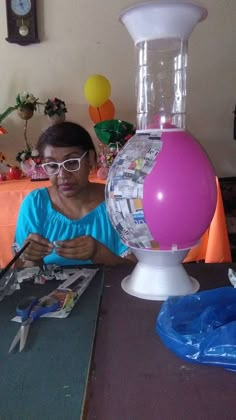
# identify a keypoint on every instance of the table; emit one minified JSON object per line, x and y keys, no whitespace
{"x":214,"y":245}
{"x":135,"y":377}
{"x":48,"y":379}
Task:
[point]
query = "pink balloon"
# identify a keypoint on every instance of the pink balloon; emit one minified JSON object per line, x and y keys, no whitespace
{"x":180,"y":193}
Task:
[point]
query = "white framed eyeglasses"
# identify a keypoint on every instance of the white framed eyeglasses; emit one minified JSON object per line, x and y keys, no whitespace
{"x":70,"y":165}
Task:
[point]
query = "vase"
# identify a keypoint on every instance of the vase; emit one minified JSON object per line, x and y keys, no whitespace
{"x":25,"y":113}
{"x":57,"y":119}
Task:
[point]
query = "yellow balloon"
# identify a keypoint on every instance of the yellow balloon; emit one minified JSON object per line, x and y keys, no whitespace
{"x":97,"y":90}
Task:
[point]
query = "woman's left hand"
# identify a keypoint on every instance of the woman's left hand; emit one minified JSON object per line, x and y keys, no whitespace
{"x":80,"y":248}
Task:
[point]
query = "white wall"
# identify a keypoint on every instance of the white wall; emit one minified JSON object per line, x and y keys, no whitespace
{"x":83,"y":37}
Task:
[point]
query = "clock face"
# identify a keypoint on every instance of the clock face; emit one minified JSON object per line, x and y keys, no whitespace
{"x":21,"y":7}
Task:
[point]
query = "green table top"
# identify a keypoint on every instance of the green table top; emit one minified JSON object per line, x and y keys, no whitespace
{"x":48,"y":379}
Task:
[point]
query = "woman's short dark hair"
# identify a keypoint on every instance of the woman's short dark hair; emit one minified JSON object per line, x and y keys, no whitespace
{"x":66,"y":134}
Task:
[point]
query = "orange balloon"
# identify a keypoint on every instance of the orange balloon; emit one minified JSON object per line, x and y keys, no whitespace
{"x":103,"y":112}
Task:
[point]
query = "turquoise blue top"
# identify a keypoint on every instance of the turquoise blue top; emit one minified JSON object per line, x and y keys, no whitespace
{"x":36,"y":215}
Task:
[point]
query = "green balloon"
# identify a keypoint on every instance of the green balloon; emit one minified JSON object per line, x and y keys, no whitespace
{"x":114,"y":131}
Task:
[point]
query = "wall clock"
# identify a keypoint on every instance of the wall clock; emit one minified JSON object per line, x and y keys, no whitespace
{"x":22,"y":21}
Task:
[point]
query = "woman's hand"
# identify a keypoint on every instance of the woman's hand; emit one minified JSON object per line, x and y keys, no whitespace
{"x":88,"y":248}
{"x":80,"y":248}
{"x":38,"y":248}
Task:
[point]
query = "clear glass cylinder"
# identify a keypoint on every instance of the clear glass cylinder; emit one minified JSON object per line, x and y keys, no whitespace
{"x":161,"y":83}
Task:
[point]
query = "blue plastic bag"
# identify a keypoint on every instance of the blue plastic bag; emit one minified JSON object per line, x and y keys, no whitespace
{"x":201,"y":328}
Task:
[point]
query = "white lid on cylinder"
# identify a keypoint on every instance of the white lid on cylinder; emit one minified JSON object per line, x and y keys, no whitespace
{"x":163,"y":19}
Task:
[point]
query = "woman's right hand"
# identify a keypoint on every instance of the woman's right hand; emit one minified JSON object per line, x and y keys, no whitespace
{"x":38,"y":248}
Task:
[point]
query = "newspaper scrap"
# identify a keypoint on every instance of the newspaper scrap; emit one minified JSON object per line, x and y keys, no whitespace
{"x":69,"y":292}
{"x":42,"y":274}
{"x":28,"y":273}
{"x":124,"y":190}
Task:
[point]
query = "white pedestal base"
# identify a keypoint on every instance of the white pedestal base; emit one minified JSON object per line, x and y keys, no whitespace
{"x":159,"y":275}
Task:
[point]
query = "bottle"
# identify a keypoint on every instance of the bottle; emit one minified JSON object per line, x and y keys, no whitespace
{"x":161,"y":84}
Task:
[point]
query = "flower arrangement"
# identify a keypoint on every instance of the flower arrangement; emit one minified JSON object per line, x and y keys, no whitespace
{"x":107,"y":154}
{"x":30,"y":161}
{"x":28,"y":154}
{"x":55,"y":106}
{"x":26,"y":100}
{"x":26,"y":104}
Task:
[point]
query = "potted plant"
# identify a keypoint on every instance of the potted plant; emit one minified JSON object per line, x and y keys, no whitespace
{"x":26,"y":104}
{"x":56,"y":110}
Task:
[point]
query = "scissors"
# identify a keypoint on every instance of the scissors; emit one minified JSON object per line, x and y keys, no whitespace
{"x":29,"y":310}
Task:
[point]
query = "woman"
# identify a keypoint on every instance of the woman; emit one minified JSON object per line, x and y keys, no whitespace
{"x":67,"y":223}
